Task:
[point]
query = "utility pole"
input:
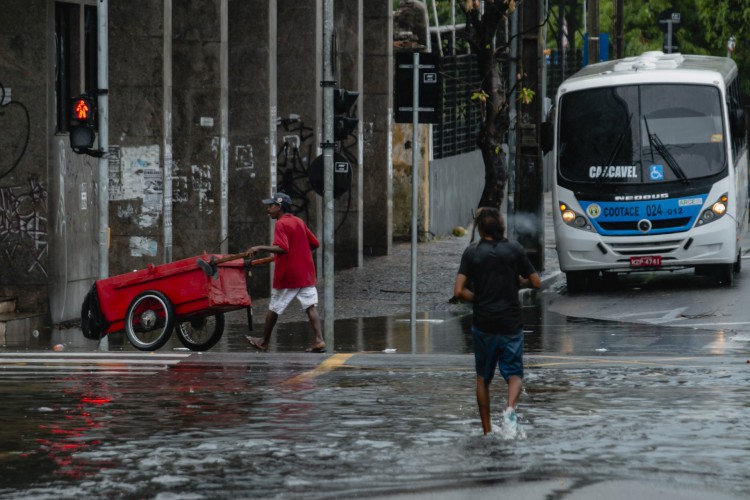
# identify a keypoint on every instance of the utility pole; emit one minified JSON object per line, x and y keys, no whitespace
{"x":102,"y":14}
{"x":528,"y":199}
{"x":619,"y":52}
{"x":592,"y":28}
{"x":328,"y":146}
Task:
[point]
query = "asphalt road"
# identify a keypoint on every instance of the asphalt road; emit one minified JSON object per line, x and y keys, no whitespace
{"x":617,"y":402}
{"x":619,"y":409}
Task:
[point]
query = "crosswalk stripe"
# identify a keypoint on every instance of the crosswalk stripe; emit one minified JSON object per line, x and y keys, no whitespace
{"x":40,"y":364}
{"x":95,"y":354}
{"x":71,"y":361}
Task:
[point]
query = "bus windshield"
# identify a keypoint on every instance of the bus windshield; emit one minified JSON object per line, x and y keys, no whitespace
{"x":641,"y":134}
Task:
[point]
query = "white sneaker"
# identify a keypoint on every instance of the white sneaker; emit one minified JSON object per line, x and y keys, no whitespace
{"x":510,"y":423}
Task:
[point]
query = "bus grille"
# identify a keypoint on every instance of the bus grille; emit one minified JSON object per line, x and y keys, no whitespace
{"x":647,"y":248}
{"x":679,"y":223}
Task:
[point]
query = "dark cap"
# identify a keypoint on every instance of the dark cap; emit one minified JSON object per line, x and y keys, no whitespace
{"x":282,"y":199}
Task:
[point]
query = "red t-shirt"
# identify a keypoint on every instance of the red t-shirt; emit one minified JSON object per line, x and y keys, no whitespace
{"x":295,"y":268}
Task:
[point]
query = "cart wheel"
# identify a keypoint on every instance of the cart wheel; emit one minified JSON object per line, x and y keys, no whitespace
{"x":149,"y":321}
{"x":92,"y":320}
{"x":201,"y":334}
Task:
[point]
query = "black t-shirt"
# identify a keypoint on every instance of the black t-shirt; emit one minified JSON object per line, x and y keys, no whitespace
{"x":492,"y":268}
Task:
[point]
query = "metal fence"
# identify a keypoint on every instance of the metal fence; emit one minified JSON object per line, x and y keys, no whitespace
{"x":560,"y":67}
{"x":461,"y":118}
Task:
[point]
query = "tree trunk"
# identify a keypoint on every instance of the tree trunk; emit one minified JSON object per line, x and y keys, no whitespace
{"x":482,"y":31}
{"x":490,"y":139}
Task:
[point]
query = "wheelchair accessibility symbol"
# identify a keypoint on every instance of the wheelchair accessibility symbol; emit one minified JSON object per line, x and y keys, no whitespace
{"x":656,"y":172}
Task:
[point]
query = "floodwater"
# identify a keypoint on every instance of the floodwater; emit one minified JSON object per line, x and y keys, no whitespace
{"x":602,"y":401}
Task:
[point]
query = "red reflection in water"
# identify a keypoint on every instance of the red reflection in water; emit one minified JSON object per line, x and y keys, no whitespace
{"x":94,"y":400}
{"x":68,"y":439}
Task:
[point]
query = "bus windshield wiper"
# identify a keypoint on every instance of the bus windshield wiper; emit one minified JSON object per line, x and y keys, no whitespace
{"x":620,"y":140}
{"x":655,"y":143}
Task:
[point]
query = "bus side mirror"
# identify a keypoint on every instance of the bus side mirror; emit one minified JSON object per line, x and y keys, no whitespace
{"x":547,"y":139}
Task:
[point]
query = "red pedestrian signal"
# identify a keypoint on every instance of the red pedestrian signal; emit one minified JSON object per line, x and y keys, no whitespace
{"x":82,"y":110}
{"x":83,"y":124}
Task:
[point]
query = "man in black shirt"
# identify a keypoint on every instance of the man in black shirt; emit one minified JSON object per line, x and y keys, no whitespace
{"x":490,"y":275}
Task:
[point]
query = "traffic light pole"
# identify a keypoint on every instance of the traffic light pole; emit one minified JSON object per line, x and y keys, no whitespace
{"x":414,"y":199}
{"x":102,"y":13}
{"x":328,"y":147}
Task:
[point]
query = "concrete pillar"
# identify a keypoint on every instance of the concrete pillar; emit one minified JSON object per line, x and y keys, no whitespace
{"x":376,"y":124}
{"x":252,"y":118}
{"x":197,"y":182}
{"x":138,"y":101}
{"x":167,"y":111}
{"x":347,"y":73}
{"x":297,"y":143}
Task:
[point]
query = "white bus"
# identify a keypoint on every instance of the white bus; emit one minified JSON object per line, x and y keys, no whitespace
{"x":650,"y":168}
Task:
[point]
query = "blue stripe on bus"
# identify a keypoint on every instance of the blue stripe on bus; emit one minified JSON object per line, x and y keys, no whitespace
{"x":678,"y":210}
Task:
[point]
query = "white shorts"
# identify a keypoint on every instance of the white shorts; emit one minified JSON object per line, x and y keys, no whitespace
{"x":282,"y":297}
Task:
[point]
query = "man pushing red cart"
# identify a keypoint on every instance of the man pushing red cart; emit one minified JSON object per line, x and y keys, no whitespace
{"x":190,"y":295}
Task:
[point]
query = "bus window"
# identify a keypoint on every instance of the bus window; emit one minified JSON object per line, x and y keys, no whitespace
{"x":619,"y":134}
{"x":596,"y":131}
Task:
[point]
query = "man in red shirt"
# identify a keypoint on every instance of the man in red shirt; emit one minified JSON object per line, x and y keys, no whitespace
{"x":294,"y":273}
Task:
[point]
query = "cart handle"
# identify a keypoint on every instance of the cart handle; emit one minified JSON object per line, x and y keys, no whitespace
{"x":260,"y":262}
{"x":211,"y":267}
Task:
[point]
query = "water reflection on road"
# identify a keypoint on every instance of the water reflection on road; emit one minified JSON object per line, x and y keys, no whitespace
{"x":602,"y":401}
{"x":233,"y":429}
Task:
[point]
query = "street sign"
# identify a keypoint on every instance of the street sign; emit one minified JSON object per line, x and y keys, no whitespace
{"x":667,"y":18}
{"x":342,"y":175}
{"x":669,"y":23}
{"x":430,"y":88}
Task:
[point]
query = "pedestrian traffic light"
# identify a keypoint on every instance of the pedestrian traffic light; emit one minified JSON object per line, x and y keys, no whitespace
{"x":343,"y":121}
{"x":83,"y":124}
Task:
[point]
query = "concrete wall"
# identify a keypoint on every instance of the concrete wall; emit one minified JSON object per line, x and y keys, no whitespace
{"x":456,"y":185}
{"x":197,"y":91}
{"x":24,"y":183}
{"x":403,"y":138}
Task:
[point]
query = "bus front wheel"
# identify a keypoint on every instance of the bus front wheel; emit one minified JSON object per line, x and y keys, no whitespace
{"x":578,"y":281}
{"x":724,"y":274}
{"x":738,"y":262}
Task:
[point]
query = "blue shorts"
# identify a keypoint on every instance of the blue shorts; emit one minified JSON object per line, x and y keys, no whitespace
{"x":505,"y":351}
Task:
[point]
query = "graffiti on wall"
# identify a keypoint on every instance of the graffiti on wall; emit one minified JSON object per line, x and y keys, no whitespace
{"x":201,"y":180}
{"x":294,"y":159}
{"x":23,"y":223}
{"x":244,"y":157}
{"x":179,"y":185}
{"x":349,"y":148}
{"x":197,"y":181}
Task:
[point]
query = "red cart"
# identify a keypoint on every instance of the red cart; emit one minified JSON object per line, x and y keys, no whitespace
{"x":190,"y":295}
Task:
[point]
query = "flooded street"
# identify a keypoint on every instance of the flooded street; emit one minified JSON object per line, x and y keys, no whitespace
{"x":602,"y":402}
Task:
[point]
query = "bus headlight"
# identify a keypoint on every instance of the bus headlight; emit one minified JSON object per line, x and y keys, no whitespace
{"x":568,"y":216}
{"x":717,"y":210}
{"x":574,"y":219}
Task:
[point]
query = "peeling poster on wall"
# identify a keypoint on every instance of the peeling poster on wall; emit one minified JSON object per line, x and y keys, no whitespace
{"x":136,"y":174}
{"x":142,"y":247}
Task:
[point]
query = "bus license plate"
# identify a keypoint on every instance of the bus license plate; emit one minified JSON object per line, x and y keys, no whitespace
{"x":646,"y":261}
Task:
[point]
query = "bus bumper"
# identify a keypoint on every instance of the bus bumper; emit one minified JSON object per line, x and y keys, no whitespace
{"x":588,"y":251}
